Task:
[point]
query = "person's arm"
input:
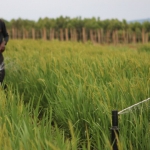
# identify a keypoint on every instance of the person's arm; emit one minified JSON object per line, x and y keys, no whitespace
{"x":4,"y":32}
{"x":5,"y":37}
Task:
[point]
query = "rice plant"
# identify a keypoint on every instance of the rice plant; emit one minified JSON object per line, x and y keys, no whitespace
{"x":61,"y":95}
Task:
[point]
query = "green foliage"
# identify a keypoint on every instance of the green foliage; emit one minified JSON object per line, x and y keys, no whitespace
{"x":146,"y":26}
{"x":144,"y":48}
{"x":78,"y":23}
{"x":91,"y":23}
{"x":20,"y":24}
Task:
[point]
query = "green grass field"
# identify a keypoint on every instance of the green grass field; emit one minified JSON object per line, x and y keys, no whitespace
{"x":60,"y":96}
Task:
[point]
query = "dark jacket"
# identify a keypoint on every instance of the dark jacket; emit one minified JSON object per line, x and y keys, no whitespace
{"x":3,"y":36}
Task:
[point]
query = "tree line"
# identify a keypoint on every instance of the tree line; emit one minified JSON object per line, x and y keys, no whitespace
{"x":88,"y":25}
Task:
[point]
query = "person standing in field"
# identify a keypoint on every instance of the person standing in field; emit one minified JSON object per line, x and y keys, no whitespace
{"x":4,"y":37}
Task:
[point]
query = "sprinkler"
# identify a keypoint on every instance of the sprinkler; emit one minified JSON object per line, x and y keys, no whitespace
{"x":114,"y":130}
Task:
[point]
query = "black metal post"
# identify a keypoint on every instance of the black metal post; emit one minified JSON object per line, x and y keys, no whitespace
{"x":114,"y":130}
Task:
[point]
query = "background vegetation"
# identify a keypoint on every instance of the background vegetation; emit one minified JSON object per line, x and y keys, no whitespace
{"x":79,"y":23}
{"x":78,"y":29}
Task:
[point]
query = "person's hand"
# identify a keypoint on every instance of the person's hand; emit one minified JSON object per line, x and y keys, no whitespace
{"x":2,"y":47}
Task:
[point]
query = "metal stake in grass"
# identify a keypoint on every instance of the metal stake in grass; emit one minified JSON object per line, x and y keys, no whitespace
{"x":114,"y":130}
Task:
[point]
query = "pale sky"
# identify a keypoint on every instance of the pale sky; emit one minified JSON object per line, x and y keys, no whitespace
{"x":105,"y":9}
